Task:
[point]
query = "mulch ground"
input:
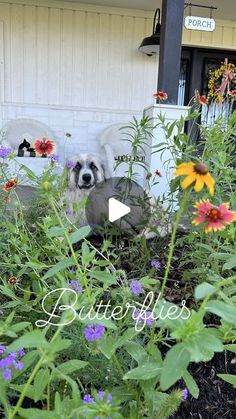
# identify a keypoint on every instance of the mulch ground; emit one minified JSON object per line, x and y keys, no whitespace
{"x":217,"y":399}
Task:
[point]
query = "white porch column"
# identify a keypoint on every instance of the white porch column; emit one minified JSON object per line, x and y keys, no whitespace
{"x":163,"y":161}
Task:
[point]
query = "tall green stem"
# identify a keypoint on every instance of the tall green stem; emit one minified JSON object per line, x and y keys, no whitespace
{"x":83,"y":278}
{"x":172,"y":241}
{"x":31,"y":377}
{"x":171,"y":250}
{"x":120,"y":369}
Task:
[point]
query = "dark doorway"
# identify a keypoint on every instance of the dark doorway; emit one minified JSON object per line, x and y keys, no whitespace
{"x":194,"y":75}
{"x":194,"y":72}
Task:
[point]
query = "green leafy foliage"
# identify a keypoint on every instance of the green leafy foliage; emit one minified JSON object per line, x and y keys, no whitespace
{"x":229,"y":378}
{"x":141,"y":367}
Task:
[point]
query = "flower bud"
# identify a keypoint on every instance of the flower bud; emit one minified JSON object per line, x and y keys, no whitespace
{"x":46,"y":186}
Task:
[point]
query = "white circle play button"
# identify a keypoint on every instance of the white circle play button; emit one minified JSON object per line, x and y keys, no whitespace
{"x":116,"y":210}
{"x":119,"y":201}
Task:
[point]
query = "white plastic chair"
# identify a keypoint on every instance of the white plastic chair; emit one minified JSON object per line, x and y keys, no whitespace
{"x":18,"y":130}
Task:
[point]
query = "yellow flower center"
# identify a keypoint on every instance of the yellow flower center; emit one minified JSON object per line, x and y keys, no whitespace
{"x":201,"y":168}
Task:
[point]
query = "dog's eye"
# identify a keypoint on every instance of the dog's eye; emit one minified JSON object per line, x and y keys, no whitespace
{"x":77,"y":166}
{"x":93,"y":167}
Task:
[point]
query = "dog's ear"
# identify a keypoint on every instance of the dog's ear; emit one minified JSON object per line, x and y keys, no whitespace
{"x":105,"y":171}
{"x":71,"y":179}
{"x":72,"y":173}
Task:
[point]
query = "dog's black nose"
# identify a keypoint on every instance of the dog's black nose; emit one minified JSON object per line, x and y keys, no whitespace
{"x":86,"y":177}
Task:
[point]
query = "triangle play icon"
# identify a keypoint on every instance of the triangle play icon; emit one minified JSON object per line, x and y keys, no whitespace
{"x":116,"y":209}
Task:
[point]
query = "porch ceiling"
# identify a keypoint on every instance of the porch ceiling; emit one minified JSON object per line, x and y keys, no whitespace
{"x":226,"y":8}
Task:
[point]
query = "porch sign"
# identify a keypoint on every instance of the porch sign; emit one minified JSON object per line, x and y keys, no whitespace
{"x":200,"y":23}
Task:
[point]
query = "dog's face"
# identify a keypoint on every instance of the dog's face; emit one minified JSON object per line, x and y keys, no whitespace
{"x":88,"y":171}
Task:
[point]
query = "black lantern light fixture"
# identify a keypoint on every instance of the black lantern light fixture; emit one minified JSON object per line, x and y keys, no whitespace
{"x":151,"y":44}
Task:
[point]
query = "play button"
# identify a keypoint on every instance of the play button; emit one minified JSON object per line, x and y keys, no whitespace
{"x":116,"y":210}
{"x":118,"y":202}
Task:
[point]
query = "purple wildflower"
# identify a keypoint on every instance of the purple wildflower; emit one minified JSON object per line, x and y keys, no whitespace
{"x":136,"y":287}
{"x":155,"y":264}
{"x":99,"y":417}
{"x":2,"y":349}
{"x":5,"y":151}
{"x":10,"y":362}
{"x":54,"y":158}
{"x":94,"y":332}
{"x":69,"y":211}
{"x":6,"y":374}
{"x":18,"y":365}
{"x":185,"y":394}
{"x":6,"y":362}
{"x":13,"y":355}
{"x":87,"y":399}
{"x":101,"y":393}
{"x":75,"y":285}
{"x":70,"y":164}
{"x":21,"y":352}
{"x":145,"y":316}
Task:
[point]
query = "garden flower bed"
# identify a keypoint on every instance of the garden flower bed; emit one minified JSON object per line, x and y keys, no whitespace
{"x":117,"y":327}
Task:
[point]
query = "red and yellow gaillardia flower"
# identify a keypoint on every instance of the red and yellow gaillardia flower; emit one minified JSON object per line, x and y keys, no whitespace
{"x":7,"y":199}
{"x":232,"y":93}
{"x":43,"y":146}
{"x":201,"y":99}
{"x":160,"y":96}
{"x":216,"y":218}
{"x":9,"y":185}
{"x":158,"y":173}
{"x":195,"y":172}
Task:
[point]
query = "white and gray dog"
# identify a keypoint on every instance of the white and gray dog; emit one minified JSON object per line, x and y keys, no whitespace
{"x":87,"y":172}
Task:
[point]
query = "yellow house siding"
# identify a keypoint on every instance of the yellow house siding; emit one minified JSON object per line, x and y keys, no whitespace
{"x":223,"y":37}
{"x":61,"y":56}
{"x":58,"y":53}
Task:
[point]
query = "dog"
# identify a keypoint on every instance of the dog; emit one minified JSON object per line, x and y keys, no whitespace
{"x":88,"y":171}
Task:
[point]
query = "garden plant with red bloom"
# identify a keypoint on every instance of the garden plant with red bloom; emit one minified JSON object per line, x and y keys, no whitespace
{"x":232,"y":93}
{"x":44,"y":146}
{"x":7,"y":199}
{"x":122,"y":324}
{"x":216,"y":218}
{"x":201,"y":99}
{"x":160,"y":95}
{"x":9,"y":185}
